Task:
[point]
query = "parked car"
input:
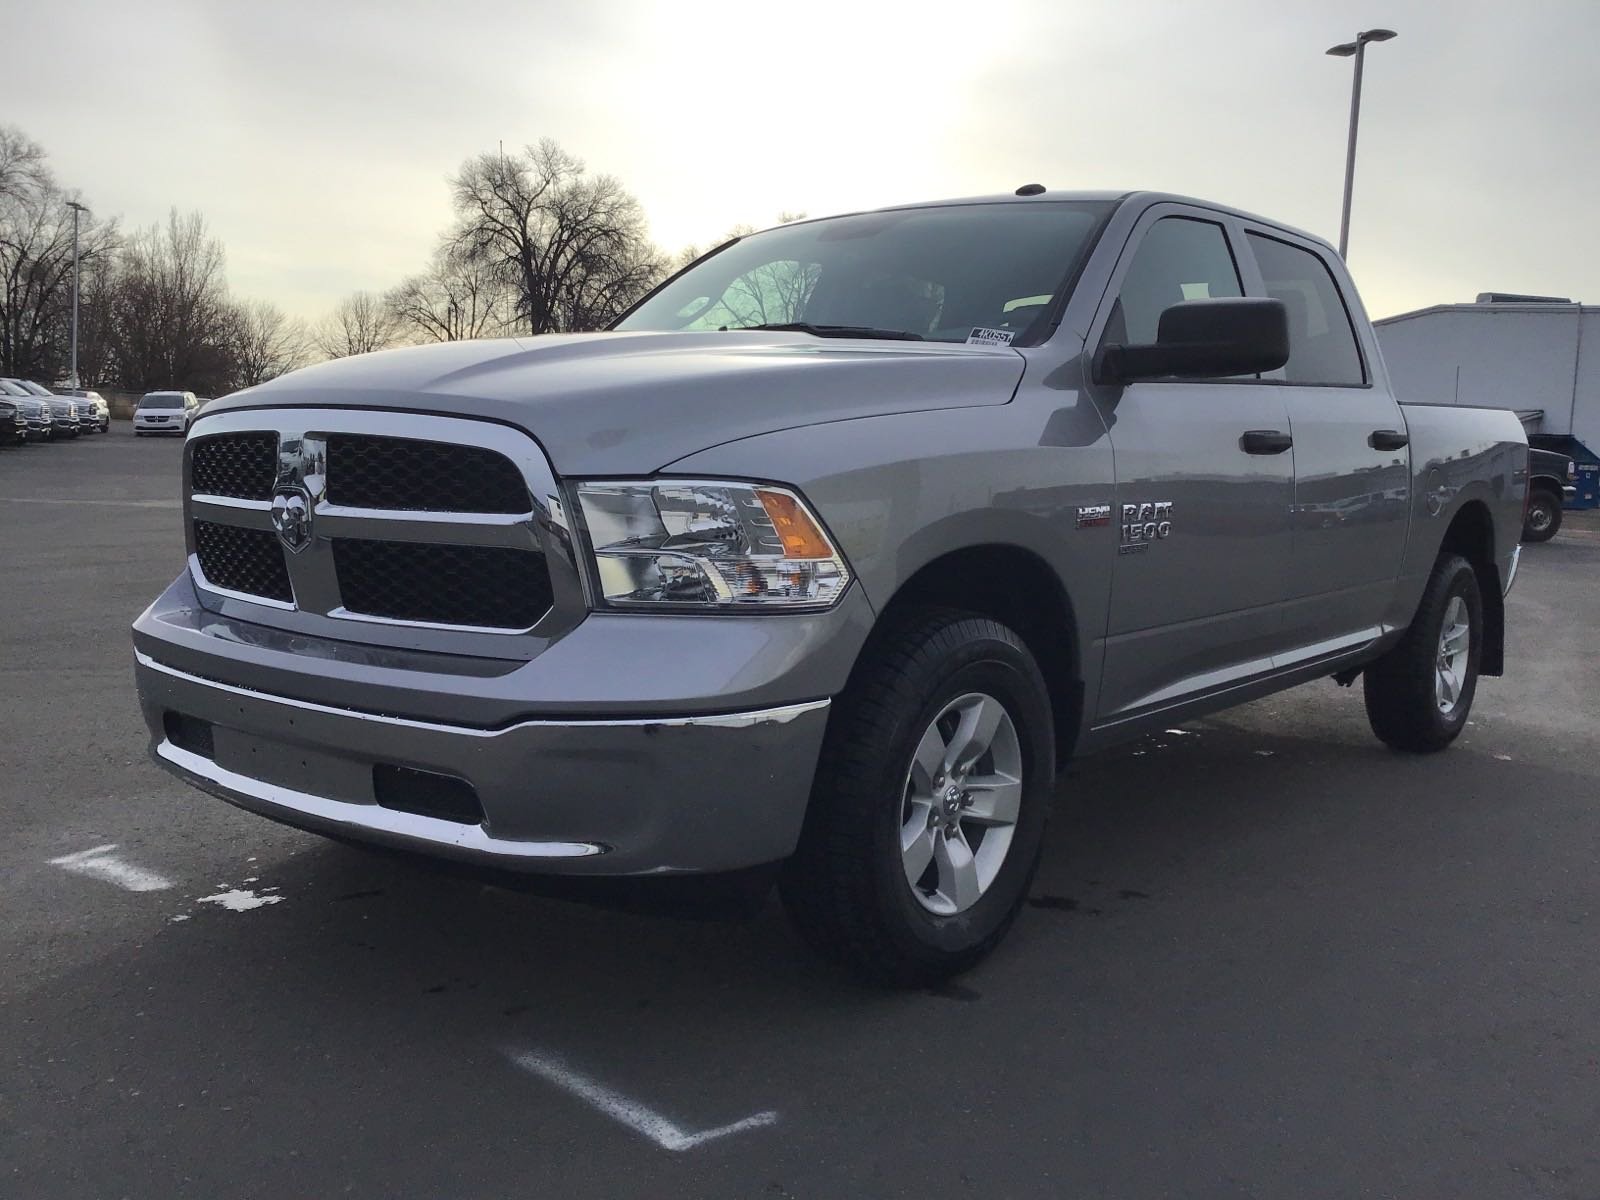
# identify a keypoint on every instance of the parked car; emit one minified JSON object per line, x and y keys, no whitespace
{"x":823,"y":559}
{"x":98,"y":416}
{"x":1552,"y":480}
{"x":63,"y":409}
{"x":13,"y":422}
{"x":41,"y":420}
{"x":164,"y":412}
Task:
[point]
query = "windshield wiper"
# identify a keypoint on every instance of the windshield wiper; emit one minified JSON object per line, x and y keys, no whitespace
{"x":839,"y":331}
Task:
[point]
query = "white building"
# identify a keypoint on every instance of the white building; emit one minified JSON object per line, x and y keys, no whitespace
{"x":1525,"y":353}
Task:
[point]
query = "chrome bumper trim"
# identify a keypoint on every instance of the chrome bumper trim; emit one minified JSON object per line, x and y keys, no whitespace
{"x":366,"y":818}
{"x":741,"y":720}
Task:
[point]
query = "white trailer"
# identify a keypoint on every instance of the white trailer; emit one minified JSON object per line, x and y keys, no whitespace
{"x":1541,"y":355}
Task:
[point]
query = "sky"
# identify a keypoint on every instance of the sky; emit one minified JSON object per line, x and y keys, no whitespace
{"x":318,"y":137}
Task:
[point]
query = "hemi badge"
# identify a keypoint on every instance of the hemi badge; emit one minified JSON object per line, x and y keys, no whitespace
{"x":1093,"y":514}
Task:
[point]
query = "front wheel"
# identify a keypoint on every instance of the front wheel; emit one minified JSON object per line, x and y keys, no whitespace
{"x":1419,"y":693}
{"x":1544,"y":516}
{"x":929,"y":805}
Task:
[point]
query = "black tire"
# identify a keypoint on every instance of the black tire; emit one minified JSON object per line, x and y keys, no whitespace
{"x":846,"y":887}
{"x":1544,"y":516}
{"x":1403,"y":706}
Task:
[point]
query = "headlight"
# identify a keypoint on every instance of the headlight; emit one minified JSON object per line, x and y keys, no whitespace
{"x":708,"y":544}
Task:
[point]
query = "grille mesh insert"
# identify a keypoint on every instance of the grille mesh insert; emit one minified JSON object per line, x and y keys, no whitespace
{"x":243,"y":466}
{"x":494,"y":587}
{"x":387,"y":472}
{"x":242,"y":560}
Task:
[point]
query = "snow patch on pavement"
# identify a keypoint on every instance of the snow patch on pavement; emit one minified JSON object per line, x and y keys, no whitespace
{"x":239,"y":899}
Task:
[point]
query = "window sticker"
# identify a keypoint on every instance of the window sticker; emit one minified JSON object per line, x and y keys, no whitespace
{"x":990,"y":337}
{"x":1196,"y":291}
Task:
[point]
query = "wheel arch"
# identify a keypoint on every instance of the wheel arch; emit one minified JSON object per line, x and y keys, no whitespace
{"x":1017,"y":587}
{"x":1471,"y":535}
{"x":1548,"y":483}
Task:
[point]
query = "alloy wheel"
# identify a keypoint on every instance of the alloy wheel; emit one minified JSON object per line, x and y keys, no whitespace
{"x":1455,"y":646}
{"x":962,"y":797}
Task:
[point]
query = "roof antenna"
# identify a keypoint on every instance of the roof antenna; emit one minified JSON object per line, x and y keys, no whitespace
{"x":1031,"y":189}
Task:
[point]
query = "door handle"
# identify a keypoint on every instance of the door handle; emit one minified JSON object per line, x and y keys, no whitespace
{"x":1265,"y":441}
{"x":1388,"y":439}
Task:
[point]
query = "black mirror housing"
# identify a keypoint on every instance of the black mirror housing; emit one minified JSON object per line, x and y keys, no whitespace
{"x":1204,"y":339}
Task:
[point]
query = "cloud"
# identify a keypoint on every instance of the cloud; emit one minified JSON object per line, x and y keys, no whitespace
{"x":317,"y":137}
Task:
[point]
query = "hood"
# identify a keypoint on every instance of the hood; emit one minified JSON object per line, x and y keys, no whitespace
{"x":630,"y":403}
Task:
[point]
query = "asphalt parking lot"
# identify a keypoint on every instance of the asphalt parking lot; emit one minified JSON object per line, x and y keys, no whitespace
{"x":1264,"y":957}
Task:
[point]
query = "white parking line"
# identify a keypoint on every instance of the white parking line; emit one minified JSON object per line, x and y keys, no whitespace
{"x":100,"y":863}
{"x":634,"y":1115}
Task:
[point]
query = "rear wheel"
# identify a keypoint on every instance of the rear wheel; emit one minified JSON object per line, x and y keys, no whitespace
{"x":1544,"y":516}
{"x":929,"y":805}
{"x":1419,"y":693}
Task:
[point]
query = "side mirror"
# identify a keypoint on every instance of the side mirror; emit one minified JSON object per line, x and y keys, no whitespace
{"x":1204,"y":339}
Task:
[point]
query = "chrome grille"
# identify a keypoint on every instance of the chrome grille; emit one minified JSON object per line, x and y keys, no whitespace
{"x":242,"y":560}
{"x":241,"y":465}
{"x":490,"y":586}
{"x":379,"y":517}
{"x":389,"y":472}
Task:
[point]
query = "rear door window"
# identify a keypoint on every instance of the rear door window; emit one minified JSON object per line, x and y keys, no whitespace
{"x":1322,"y":340}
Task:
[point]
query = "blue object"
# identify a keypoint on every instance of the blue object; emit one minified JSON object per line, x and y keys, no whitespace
{"x":1588,"y":480}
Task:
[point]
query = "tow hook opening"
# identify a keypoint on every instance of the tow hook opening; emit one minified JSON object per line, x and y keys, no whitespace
{"x":189,"y":733}
{"x":426,"y":794}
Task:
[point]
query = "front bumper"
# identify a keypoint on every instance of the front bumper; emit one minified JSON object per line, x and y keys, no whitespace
{"x":169,"y":426}
{"x":301,"y":733}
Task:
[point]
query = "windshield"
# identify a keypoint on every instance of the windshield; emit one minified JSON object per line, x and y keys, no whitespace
{"x":162,"y":400}
{"x":936,"y":273}
{"x":8,"y":388}
{"x":37,"y":389}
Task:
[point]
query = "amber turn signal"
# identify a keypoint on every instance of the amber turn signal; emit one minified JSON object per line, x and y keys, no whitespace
{"x":799,"y":533}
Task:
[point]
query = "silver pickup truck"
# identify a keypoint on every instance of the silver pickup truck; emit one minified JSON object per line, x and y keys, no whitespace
{"x":827,"y":556}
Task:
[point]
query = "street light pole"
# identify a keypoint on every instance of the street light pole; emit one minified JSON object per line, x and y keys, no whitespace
{"x":76,"y":210}
{"x":1358,"y":49}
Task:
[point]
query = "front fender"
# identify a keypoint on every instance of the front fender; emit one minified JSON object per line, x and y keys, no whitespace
{"x":899,"y":491}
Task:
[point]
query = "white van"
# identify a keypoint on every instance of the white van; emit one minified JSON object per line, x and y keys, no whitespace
{"x":165,"y":412}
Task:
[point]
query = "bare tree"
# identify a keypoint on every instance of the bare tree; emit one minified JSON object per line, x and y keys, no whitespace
{"x":362,"y":322}
{"x":36,"y":259}
{"x":264,"y":343}
{"x":171,"y":313}
{"x":571,"y":246}
{"x":457,"y":297}
{"x":22,"y":165}
{"x":774,"y":292}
